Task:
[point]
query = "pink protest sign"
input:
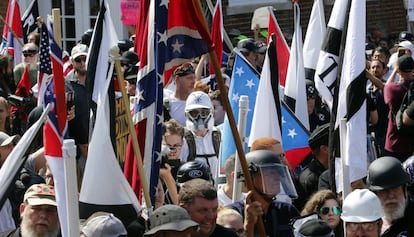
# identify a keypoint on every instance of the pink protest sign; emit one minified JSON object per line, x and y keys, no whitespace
{"x":129,"y":10}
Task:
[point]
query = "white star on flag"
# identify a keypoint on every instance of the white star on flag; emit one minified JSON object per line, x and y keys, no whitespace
{"x":163,"y":37}
{"x":177,"y":46}
{"x":292,"y":133}
{"x":239,"y":71}
{"x":236,"y":97}
{"x":250,"y":83}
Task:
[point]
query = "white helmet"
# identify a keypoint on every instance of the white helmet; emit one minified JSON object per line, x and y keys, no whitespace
{"x":199,"y":111}
{"x":361,"y":205}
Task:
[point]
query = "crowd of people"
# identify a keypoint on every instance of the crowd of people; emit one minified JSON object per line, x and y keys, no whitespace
{"x":192,"y":200}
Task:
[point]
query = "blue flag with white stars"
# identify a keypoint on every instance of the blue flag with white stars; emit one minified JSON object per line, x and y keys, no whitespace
{"x":244,"y":81}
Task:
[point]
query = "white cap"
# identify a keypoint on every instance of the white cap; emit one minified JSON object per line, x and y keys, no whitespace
{"x":79,"y":50}
{"x":198,"y":100}
{"x":407,"y":44}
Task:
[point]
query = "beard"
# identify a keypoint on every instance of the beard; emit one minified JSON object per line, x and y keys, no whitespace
{"x":27,"y":229}
{"x":394,"y":213}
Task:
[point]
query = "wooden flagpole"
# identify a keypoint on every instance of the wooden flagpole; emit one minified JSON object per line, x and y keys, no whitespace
{"x":232,"y":122}
{"x":135,"y":144}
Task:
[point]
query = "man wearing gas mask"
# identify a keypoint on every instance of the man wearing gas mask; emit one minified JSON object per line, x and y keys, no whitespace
{"x":202,"y":138}
{"x":269,"y":177}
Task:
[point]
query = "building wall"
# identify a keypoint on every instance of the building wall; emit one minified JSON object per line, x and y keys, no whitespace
{"x":389,"y":17}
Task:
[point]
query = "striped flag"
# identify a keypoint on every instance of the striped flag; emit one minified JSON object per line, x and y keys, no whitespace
{"x":55,"y":128}
{"x":327,"y":66}
{"x":352,"y":95}
{"x":313,"y":40}
{"x":45,"y":66}
{"x":281,"y":45}
{"x":217,"y":33}
{"x":11,"y":44}
{"x":23,"y":90}
{"x":171,"y":38}
{"x":266,"y":121}
{"x":104,"y":187}
{"x":295,"y":87}
{"x":29,"y":19}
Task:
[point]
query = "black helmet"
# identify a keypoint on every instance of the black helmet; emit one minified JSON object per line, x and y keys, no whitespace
{"x":260,"y":157}
{"x":193,"y":170}
{"x":247,"y":45}
{"x":385,"y":173}
{"x":408,"y":167}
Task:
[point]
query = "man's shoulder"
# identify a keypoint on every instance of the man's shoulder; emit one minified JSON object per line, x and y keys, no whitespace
{"x":11,"y":233}
{"x":222,"y":231}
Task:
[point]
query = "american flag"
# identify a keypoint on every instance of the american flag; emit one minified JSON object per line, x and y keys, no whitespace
{"x":171,"y":38}
{"x":45,"y":66}
{"x":55,"y":127}
{"x":10,"y":44}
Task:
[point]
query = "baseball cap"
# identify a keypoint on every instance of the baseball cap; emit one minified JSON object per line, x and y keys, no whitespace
{"x":170,"y":217}
{"x":406,"y":44}
{"x":310,"y":89}
{"x":405,"y":35}
{"x":130,"y":57}
{"x":198,"y":100}
{"x":40,"y":194}
{"x":79,"y":50}
{"x":405,"y":63}
{"x":6,"y":139}
{"x":103,"y":224}
{"x":247,"y":45}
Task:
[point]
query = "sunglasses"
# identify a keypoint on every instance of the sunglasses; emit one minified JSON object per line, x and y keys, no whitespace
{"x":184,"y":70}
{"x":196,"y":113}
{"x":28,"y":55}
{"x":80,"y":59}
{"x":365,"y":226}
{"x":325,"y":210}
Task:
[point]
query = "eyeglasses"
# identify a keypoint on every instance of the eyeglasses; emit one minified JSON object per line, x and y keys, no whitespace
{"x":80,"y":59}
{"x":365,"y":226}
{"x":325,"y":210}
{"x":124,"y":64}
{"x":184,"y":70}
{"x":196,"y":113}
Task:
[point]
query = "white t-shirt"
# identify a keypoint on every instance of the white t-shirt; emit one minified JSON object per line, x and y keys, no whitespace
{"x":6,"y":217}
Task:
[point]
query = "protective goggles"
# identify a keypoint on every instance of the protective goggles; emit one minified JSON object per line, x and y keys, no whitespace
{"x":335,"y":210}
{"x":199,"y":113}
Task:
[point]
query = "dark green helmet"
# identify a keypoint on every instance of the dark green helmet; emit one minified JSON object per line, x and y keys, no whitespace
{"x":385,"y":173}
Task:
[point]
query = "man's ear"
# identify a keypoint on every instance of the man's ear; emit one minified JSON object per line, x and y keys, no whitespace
{"x":21,"y":209}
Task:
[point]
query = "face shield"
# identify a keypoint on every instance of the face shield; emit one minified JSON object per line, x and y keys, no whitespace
{"x":273,"y":178}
